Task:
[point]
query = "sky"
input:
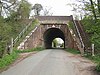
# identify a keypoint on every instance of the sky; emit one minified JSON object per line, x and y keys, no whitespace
{"x":58,"y":7}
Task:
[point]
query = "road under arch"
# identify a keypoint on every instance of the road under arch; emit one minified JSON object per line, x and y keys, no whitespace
{"x":50,"y":35}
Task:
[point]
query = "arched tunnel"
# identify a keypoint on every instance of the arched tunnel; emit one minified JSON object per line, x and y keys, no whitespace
{"x":50,"y":35}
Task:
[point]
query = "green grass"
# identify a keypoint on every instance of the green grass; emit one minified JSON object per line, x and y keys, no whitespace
{"x":95,"y":58}
{"x":73,"y":51}
{"x":30,"y":50}
{"x":7,"y":60}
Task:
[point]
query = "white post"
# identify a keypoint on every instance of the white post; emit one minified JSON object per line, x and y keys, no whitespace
{"x":92,"y":49}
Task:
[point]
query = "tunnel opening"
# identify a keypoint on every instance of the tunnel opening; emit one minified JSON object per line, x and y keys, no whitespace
{"x":57,"y":43}
{"x":50,"y":35}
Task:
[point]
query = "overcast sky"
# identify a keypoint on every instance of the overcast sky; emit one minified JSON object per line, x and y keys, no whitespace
{"x":58,"y":7}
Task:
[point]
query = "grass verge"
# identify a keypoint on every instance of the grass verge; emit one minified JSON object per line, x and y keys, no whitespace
{"x":73,"y":51}
{"x":30,"y":50}
{"x":9,"y":59}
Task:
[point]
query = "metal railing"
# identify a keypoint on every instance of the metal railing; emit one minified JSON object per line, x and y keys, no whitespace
{"x":81,"y":43}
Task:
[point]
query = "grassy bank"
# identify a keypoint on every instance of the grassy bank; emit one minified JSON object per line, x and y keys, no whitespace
{"x":8,"y":59}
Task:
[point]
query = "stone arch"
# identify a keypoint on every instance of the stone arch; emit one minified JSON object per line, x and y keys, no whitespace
{"x":50,"y":34}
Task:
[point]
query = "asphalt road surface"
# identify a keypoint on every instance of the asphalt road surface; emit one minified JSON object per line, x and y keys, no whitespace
{"x":52,"y":62}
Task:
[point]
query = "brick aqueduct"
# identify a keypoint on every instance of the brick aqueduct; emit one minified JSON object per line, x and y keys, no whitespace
{"x":51,"y":27}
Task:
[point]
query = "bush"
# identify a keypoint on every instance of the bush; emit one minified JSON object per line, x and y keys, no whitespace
{"x":92,"y":28}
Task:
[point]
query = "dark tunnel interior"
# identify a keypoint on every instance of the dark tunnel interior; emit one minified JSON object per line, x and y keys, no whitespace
{"x":50,"y":35}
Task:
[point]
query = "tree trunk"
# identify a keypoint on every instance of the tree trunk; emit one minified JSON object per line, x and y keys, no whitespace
{"x":0,"y":7}
{"x":98,"y":6}
{"x":93,"y":9}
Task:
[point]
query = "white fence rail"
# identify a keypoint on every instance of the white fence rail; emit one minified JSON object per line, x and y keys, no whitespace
{"x":22,"y":33}
{"x":80,"y":42}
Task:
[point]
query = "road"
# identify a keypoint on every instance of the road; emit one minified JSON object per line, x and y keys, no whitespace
{"x":52,"y":62}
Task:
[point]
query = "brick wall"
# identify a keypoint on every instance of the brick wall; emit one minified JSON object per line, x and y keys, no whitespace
{"x":35,"y":38}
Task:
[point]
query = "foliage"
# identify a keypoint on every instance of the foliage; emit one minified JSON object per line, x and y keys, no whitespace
{"x":90,"y":10}
{"x":87,"y":8}
{"x":93,"y":30}
{"x":24,"y":9}
{"x":55,"y":42}
{"x":7,"y":60}
{"x":12,"y":22}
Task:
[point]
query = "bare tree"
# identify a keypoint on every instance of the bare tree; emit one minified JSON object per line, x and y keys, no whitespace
{"x":6,"y":6}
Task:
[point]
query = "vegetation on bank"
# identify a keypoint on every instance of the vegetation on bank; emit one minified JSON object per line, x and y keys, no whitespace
{"x":92,"y":28}
{"x":14,"y":14}
{"x":88,"y":12}
{"x":14,"y":17}
{"x":9,"y":59}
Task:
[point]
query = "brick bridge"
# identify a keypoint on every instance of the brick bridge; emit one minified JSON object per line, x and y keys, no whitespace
{"x":51,"y":27}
